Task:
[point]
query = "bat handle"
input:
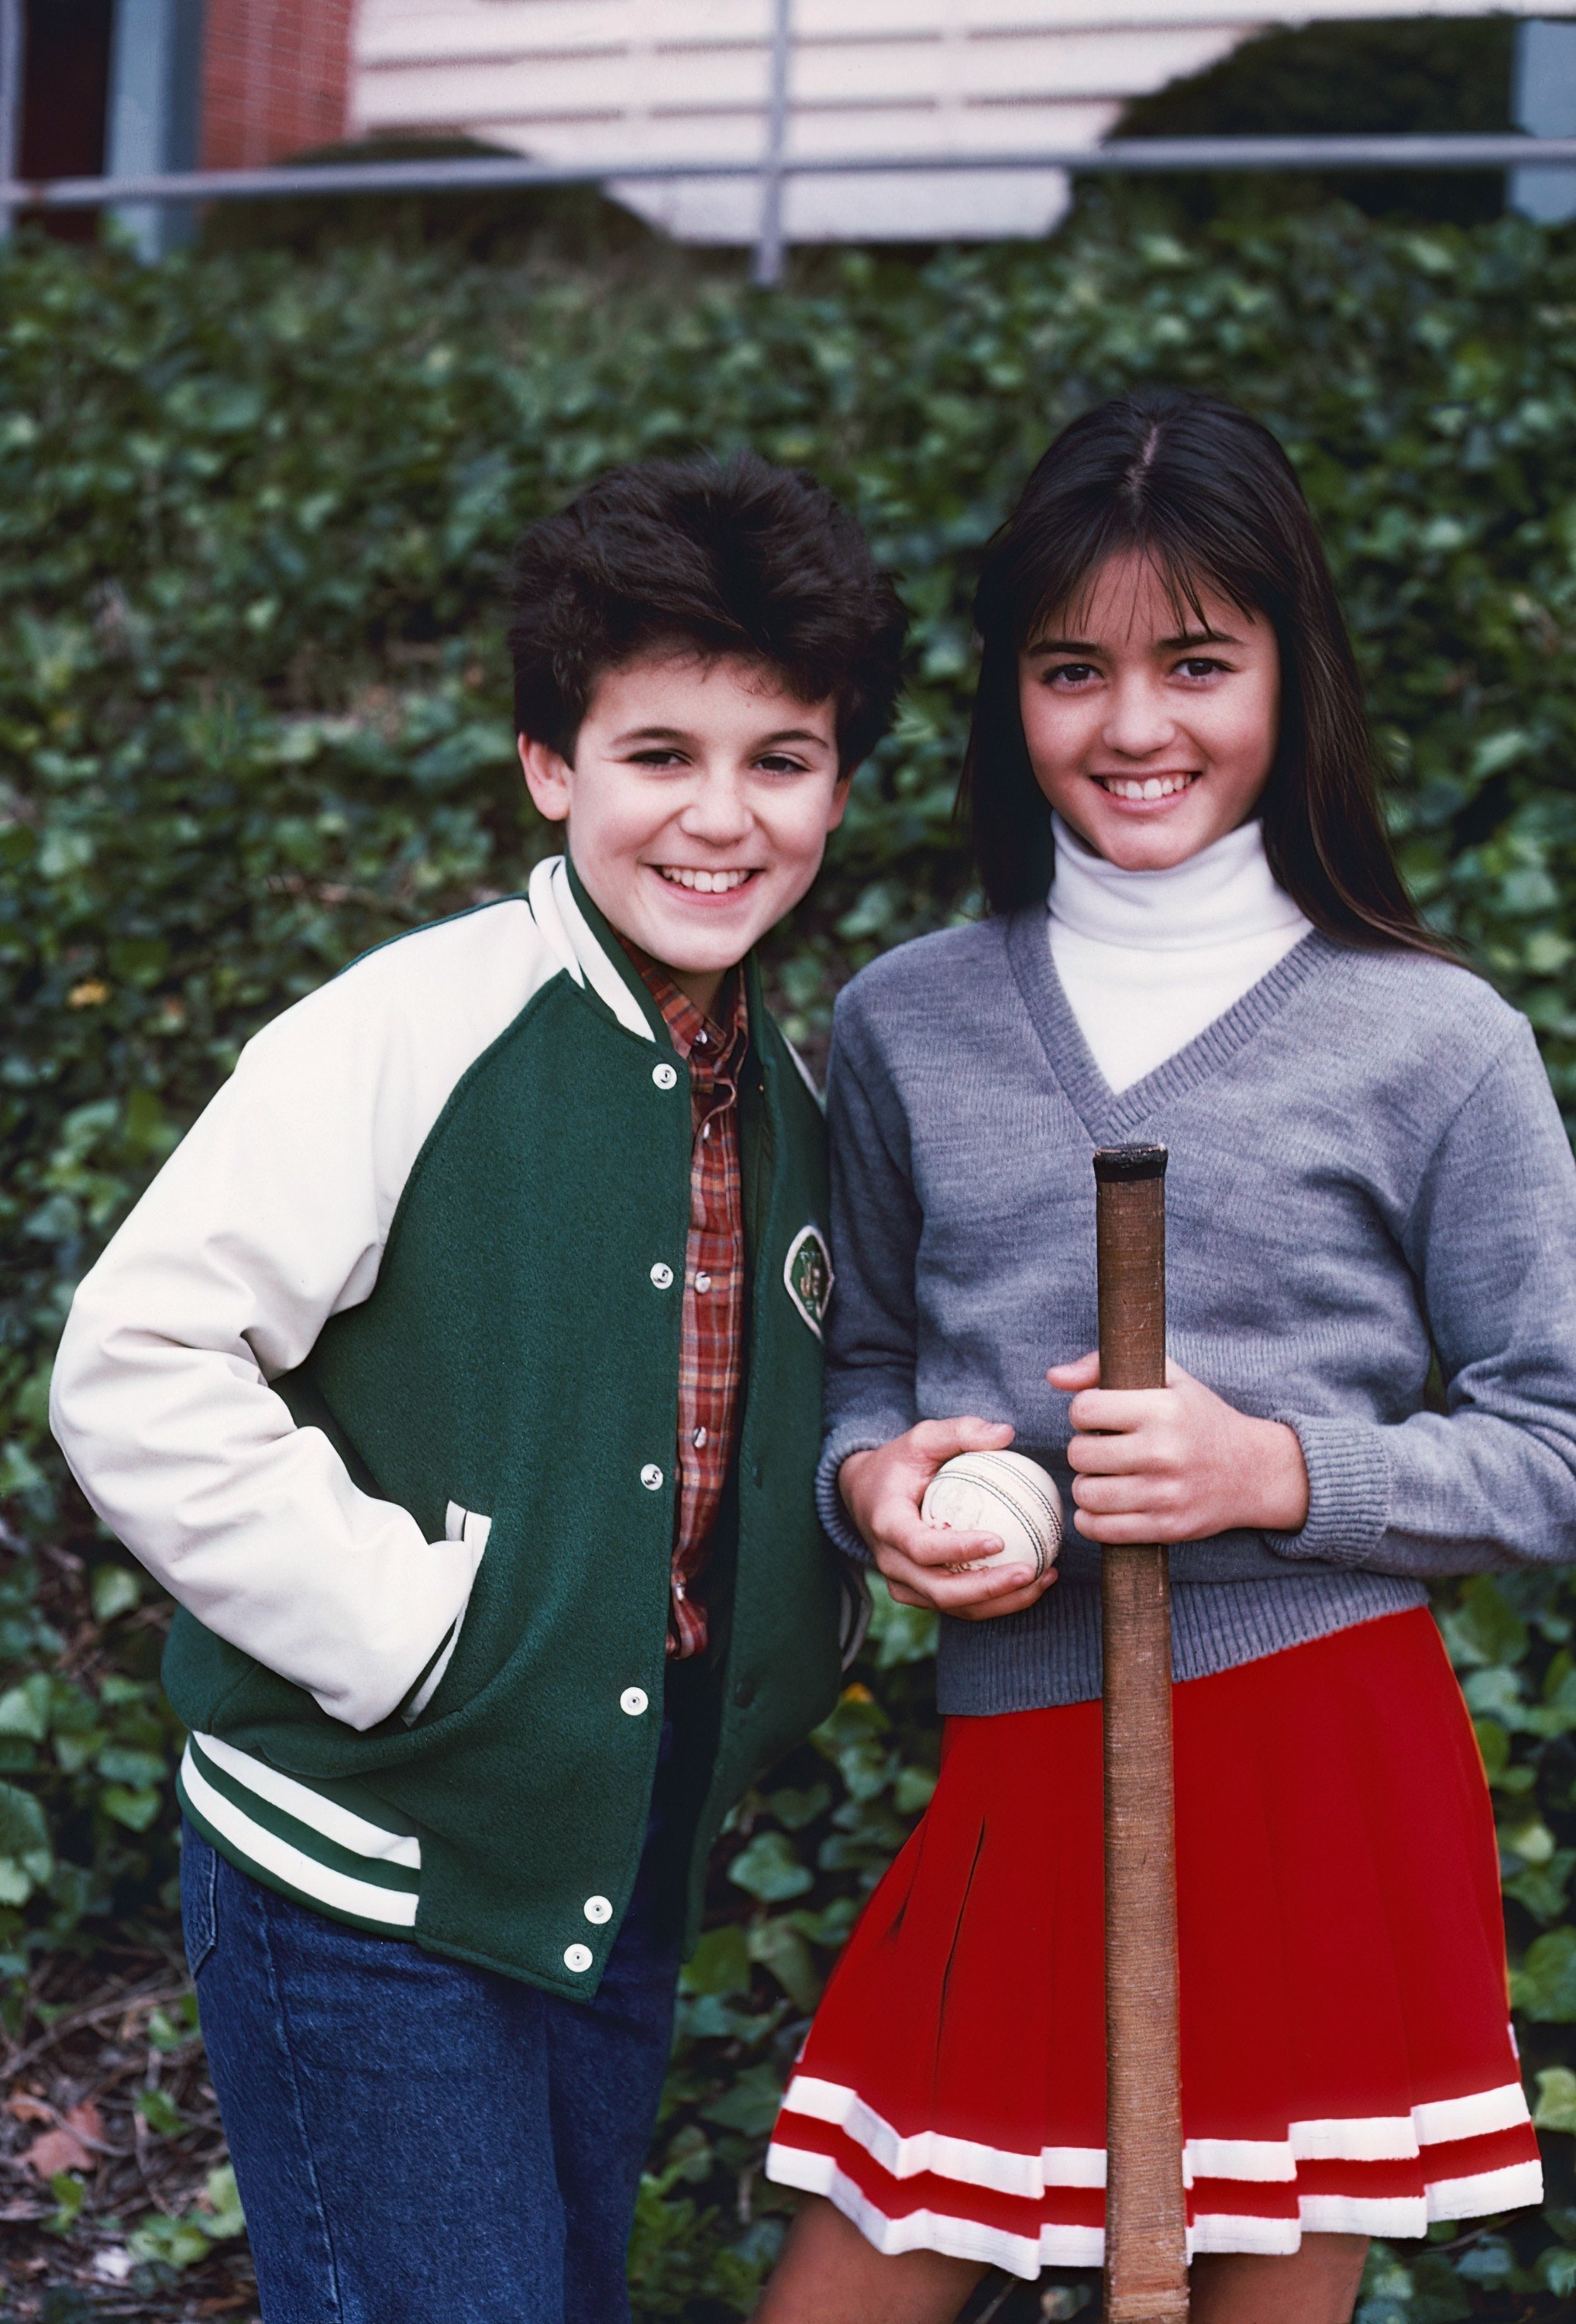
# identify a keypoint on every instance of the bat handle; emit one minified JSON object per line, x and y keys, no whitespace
{"x":1145,"y":2234}
{"x":1129,"y":1211}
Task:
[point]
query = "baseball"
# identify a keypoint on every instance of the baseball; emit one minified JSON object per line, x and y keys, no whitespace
{"x":1004,"y":1493}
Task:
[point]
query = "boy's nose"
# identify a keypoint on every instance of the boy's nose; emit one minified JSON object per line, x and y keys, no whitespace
{"x":716,"y":812}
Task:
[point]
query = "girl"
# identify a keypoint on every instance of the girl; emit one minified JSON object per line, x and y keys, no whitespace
{"x":1368,"y":1173}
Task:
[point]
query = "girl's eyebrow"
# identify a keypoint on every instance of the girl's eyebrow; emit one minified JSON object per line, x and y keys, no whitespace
{"x":1183,"y":642}
{"x":1189,"y":638}
{"x":1065,"y":646}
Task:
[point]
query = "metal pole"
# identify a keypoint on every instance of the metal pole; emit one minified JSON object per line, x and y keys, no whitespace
{"x":1142,"y":156}
{"x":10,"y":91}
{"x":1544,"y":97}
{"x":769,"y":249}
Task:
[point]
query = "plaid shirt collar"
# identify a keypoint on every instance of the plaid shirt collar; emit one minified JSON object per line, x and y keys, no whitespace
{"x":721,"y":1041}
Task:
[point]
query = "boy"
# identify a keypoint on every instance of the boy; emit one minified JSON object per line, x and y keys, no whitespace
{"x":459,"y":1376}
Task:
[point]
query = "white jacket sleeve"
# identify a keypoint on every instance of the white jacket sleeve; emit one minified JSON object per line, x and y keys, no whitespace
{"x":270,"y":1218}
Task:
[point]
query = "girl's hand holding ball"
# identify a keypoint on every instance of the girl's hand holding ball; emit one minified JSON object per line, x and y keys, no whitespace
{"x":1177,"y":1462}
{"x":883,"y":1491}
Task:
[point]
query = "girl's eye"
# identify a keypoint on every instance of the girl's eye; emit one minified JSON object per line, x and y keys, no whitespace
{"x":1199,"y":666}
{"x":1071,"y":674}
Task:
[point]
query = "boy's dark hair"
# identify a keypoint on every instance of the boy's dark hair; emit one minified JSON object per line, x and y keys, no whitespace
{"x":1208,"y":496}
{"x":743,"y":559}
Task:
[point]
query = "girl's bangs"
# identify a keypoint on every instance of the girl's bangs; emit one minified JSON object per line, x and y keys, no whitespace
{"x":1063,"y":601}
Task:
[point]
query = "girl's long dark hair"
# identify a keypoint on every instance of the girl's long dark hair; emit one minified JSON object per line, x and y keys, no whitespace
{"x":1206,"y":494}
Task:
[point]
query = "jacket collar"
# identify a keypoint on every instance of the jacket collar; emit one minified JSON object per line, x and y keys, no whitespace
{"x":592,"y":955}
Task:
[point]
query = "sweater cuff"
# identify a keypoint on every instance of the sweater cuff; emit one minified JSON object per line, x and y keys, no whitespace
{"x":863,"y":1435}
{"x":1348,"y":1493}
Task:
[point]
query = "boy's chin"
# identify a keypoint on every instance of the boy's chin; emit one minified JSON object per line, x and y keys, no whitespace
{"x":702,"y":939}
{"x":701,"y":951}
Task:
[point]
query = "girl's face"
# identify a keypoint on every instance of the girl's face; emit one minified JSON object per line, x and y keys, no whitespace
{"x":1150,"y":734}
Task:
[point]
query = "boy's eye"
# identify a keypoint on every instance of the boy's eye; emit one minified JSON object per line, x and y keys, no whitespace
{"x":778,"y":762}
{"x":657,"y":757}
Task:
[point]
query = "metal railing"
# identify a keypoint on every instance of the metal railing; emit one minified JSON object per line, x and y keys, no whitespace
{"x":1134,"y":155}
{"x":772,"y":167}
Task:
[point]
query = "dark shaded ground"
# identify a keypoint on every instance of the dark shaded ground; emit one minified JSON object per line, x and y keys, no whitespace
{"x":109,"y":2135}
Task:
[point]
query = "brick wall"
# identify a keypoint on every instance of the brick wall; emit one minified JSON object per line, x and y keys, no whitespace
{"x":276,"y":78}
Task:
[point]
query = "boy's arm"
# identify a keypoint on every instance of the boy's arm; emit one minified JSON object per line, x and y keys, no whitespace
{"x":270,"y":1218}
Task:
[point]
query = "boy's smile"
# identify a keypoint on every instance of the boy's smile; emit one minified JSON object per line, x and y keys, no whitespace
{"x":698,"y":803}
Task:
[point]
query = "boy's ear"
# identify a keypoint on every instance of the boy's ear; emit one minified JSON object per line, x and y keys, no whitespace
{"x":547,"y":778}
{"x":839,"y":800}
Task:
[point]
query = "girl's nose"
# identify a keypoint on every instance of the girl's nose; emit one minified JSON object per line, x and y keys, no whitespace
{"x":1139,"y":722}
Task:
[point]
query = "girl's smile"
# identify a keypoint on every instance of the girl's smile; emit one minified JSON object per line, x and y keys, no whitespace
{"x":1151,"y":726}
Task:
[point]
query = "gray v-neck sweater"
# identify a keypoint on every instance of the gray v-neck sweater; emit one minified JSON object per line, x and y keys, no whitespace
{"x":1367,"y":1168}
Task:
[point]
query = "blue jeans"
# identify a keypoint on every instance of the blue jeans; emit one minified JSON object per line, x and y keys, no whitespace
{"x":417,"y":2141}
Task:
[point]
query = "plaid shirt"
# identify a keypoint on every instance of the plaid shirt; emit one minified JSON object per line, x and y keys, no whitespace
{"x":711,"y":1350}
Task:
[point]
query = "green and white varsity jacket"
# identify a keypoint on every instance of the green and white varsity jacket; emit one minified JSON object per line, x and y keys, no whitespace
{"x":380,"y":1379}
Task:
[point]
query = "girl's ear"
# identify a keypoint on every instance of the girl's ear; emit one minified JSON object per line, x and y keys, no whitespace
{"x":547,"y":777}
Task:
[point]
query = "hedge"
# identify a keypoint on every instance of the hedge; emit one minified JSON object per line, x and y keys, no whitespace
{"x":254,"y":717}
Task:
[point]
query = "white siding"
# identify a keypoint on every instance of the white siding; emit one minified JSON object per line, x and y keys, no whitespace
{"x":581,"y":80}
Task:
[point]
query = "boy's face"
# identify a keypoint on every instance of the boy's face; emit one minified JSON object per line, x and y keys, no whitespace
{"x":698,"y":806}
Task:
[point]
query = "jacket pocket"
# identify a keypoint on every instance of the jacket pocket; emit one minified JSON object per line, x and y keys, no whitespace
{"x":473,"y":1528}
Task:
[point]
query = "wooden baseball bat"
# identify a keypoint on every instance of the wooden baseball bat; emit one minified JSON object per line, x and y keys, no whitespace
{"x":1146,"y":2216}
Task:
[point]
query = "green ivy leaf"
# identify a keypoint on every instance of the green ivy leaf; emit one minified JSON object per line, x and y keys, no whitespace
{"x":1484,"y":1628}
{"x":116,"y":1590}
{"x":224,"y":2216}
{"x":160,"y":2113}
{"x":751,"y":2105}
{"x":1556,"y":2106}
{"x":780,"y":1947}
{"x":135,"y":1810}
{"x":720,"y":1963}
{"x":1545,"y":1986}
{"x":26,"y":1856}
{"x":770,"y":1868}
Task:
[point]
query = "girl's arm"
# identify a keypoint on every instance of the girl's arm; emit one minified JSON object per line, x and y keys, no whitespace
{"x":876,"y":1462}
{"x":1488,"y":1485}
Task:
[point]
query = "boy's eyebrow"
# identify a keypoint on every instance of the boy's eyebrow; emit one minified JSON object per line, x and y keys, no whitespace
{"x":681,"y":734}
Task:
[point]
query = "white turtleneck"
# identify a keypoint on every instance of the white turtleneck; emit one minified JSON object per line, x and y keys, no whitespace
{"x":1147,"y":959}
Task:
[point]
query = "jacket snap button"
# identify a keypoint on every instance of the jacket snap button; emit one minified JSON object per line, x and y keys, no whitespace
{"x":744,"y":1694}
{"x":651,"y":1477}
{"x":598,"y":1911}
{"x":634,"y":1701}
{"x":664,"y":1076}
{"x":577,"y":1958}
{"x":662,"y":1275}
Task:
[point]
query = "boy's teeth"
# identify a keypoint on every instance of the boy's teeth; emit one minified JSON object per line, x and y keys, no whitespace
{"x":707,"y":883}
{"x":1151,"y":787}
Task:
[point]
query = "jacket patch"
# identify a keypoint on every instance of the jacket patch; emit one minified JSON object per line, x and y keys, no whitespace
{"x":807,"y":1273}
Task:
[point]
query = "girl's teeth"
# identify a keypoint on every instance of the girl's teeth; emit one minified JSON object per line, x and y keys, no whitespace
{"x":1152,"y":786}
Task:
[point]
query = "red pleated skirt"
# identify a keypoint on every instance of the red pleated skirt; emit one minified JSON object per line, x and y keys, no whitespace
{"x":1347,"y":2060}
